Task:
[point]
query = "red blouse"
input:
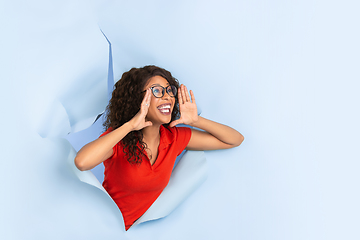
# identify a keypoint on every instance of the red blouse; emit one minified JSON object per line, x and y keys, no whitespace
{"x":135,"y":187}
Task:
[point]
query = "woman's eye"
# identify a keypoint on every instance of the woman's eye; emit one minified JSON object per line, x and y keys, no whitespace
{"x":156,"y":91}
{"x":172,"y":90}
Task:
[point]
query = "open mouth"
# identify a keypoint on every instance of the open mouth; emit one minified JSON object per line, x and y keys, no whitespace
{"x":165,"y":108}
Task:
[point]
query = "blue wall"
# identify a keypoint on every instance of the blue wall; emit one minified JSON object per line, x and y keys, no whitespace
{"x":283,"y":73}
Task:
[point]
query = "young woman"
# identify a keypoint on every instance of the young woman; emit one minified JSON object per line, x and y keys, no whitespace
{"x":142,"y":141}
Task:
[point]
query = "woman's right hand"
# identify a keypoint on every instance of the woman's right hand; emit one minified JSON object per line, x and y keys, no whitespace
{"x":101,"y":149}
{"x":138,"y":122}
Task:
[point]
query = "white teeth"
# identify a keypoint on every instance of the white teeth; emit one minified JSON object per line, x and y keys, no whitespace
{"x":164,"y":106}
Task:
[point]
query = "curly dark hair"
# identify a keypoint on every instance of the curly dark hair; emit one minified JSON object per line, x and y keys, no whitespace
{"x":125,"y":104}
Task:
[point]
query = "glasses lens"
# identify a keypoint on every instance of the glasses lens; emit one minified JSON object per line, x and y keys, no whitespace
{"x":171,"y":90}
{"x":157,"y":91}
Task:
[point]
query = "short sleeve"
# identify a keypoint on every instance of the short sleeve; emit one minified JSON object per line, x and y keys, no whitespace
{"x":183,"y":135}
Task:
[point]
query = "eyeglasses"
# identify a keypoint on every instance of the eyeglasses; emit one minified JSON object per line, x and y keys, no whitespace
{"x":159,"y":91}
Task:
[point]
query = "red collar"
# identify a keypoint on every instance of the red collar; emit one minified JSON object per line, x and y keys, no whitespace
{"x":166,"y":137}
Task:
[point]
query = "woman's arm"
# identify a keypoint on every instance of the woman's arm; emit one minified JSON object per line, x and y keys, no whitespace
{"x":97,"y":151}
{"x":215,"y":135}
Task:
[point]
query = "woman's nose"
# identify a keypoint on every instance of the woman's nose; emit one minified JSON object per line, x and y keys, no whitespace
{"x":166,"y":95}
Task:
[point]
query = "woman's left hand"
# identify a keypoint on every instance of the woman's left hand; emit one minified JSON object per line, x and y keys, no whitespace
{"x":188,"y":109}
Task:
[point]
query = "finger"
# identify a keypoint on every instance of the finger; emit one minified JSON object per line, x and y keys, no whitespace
{"x":179,"y":96}
{"x":147,"y":124}
{"x":187,"y":97}
{"x":174,"y":123}
{"x":146,"y":101}
{"x":183,"y":95}
{"x":192,"y":96}
{"x":148,"y":97}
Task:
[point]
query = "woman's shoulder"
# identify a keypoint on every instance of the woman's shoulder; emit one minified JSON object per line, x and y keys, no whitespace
{"x":174,"y":133}
{"x":106,"y":132}
{"x":177,"y":137}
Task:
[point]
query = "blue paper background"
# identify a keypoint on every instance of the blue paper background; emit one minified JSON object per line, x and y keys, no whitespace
{"x":284,"y":73}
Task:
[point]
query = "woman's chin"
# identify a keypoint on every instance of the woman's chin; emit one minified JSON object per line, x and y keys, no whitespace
{"x":167,"y":120}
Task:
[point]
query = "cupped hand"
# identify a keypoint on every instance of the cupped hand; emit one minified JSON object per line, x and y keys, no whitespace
{"x":188,"y":108}
{"x":138,"y":122}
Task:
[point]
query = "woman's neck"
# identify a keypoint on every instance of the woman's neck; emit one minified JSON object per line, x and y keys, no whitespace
{"x":151,"y":134}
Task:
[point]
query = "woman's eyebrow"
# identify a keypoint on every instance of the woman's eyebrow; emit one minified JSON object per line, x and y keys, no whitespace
{"x":157,"y":84}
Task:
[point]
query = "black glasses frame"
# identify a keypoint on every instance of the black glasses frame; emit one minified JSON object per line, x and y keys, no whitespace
{"x":169,"y":90}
